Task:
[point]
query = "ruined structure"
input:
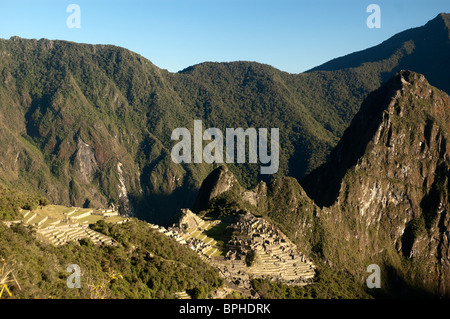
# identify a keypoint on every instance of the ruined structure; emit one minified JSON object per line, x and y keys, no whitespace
{"x":267,"y":252}
{"x":257,"y":249}
{"x":58,"y":225}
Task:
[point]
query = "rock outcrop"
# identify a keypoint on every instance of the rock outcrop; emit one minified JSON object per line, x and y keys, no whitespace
{"x":381,"y":198}
{"x":385,"y":188}
{"x":216,"y":183}
{"x":86,"y":164}
{"x":189,"y":220}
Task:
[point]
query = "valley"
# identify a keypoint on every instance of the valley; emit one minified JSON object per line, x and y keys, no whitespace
{"x":362,"y":174}
{"x":90,"y":126}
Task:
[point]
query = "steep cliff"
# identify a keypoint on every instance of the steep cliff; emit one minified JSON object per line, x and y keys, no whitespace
{"x":219,"y":181}
{"x":54,"y":94}
{"x":384,"y":190}
{"x":382,"y":198}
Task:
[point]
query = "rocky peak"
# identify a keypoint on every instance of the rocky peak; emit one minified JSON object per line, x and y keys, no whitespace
{"x":387,"y":182}
{"x":405,"y":105}
{"x":217,"y":182}
{"x":442,"y":20}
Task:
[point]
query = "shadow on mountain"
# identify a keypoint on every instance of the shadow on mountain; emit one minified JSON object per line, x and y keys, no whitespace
{"x":298,"y":164}
{"x":423,"y":50}
{"x":161,"y":208}
{"x":323,"y":183}
{"x":395,"y":286}
{"x":37,"y":109}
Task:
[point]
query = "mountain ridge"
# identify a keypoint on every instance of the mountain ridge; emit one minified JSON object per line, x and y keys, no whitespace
{"x":55,"y":94}
{"x":391,"y":171}
{"x":434,"y":34}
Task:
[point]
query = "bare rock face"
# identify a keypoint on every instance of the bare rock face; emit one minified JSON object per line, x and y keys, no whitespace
{"x":217,"y":182}
{"x":188,"y":220}
{"x":387,"y":183}
{"x":85,"y":161}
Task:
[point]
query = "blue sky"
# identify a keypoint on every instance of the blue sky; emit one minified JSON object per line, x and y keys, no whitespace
{"x":292,"y":36}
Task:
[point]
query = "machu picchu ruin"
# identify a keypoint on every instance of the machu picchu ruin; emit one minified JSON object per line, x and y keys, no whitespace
{"x":267,"y":251}
{"x":58,"y":225}
{"x":240,"y":247}
{"x":191,"y":231}
{"x":254,"y":248}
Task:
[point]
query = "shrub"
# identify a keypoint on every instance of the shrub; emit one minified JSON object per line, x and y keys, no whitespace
{"x":43,"y":201}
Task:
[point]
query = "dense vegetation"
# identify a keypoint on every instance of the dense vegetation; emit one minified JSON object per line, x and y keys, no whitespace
{"x":56,"y":97}
{"x":70,"y":113}
{"x":11,"y":201}
{"x":146,"y":264}
{"x":372,"y":212}
{"x":328,"y":284}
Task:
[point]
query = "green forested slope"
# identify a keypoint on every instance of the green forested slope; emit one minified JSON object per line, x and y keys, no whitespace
{"x":90,"y":125}
{"x":150,"y":265}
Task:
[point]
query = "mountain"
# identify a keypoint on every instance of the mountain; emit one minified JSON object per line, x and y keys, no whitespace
{"x":386,"y":186}
{"x":144,"y":264}
{"x":382,"y":197}
{"x":423,"y":49}
{"x":390,"y":209}
{"x":90,"y":125}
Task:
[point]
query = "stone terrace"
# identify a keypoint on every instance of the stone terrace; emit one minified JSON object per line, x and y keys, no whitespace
{"x":276,"y":257}
{"x":58,"y":225}
{"x":190,"y":231}
{"x":59,"y":235}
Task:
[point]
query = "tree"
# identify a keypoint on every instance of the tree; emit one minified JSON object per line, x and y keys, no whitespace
{"x":43,"y":201}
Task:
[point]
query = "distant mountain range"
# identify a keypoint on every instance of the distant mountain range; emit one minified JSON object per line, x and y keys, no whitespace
{"x":424,"y":49}
{"x":90,"y":125}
